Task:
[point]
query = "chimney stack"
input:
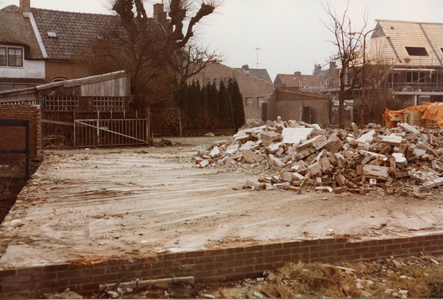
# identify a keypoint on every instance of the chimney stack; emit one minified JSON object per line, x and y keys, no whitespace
{"x":297,"y":74}
{"x":332,"y":65}
{"x":25,"y":5}
{"x":159,"y":13}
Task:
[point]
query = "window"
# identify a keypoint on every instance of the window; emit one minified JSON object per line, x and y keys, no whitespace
{"x":207,"y":81}
{"x":417,"y":51}
{"x":260,"y":101}
{"x":52,"y":34}
{"x":248,"y":101}
{"x":415,"y":77}
{"x":12,"y":57}
{"x":3,"y":56}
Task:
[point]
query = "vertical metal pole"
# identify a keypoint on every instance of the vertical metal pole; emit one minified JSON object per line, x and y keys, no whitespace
{"x":73,"y":120}
{"x":27,"y":150}
{"x":180,"y":122}
{"x":98,"y":128}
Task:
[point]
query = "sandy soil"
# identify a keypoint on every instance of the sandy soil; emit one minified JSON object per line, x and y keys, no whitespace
{"x":97,"y":204}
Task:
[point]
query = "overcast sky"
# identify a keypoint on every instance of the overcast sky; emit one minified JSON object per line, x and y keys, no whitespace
{"x":289,"y":34}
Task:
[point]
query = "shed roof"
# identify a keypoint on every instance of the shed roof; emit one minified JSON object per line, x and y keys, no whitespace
{"x":259,"y":73}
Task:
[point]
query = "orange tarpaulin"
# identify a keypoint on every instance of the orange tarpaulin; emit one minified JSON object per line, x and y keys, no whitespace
{"x":431,"y":111}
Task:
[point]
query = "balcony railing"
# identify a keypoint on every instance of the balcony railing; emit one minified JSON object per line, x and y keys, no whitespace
{"x":416,"y":86}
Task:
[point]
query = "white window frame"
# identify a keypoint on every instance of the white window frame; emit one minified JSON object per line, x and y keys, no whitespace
{"x":248,"y":101}
{"x":260,"y":101}
{"x":8,"y":57}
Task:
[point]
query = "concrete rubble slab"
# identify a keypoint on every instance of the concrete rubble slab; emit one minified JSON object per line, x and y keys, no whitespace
{"x":296,"y":135}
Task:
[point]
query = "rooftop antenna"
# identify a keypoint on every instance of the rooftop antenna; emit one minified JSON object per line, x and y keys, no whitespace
{"x":257,"y":55}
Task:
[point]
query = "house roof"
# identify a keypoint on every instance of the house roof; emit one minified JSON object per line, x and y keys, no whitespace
{"x":63,"y":34}
{"x":399,"y":39}
{"x":293,"y":81}
{"x":17,"y":30}
{"x":74,"y":31}
{"x":259,"y":73}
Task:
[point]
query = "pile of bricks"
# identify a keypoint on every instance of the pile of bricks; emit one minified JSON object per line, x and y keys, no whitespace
{"x":402,"y":160}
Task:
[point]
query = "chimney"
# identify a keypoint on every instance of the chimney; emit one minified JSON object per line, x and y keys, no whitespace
{"x":332,"y":65}
{"x":159,"y":13}
{"x":245,"y":68}
{"x":297,"y":74}
{"x":25,"y":5}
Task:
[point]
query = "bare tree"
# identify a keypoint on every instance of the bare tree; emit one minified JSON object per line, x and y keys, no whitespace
{"x":348,"y":43}
{"x":375,"y":93}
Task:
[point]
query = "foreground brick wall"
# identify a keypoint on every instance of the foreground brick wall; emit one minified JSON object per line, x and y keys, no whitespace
{"x":210,"y":265}
{"x":14,"y":138}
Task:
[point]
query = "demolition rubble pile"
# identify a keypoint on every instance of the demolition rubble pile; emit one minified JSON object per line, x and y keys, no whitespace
{"x":403,"y":160}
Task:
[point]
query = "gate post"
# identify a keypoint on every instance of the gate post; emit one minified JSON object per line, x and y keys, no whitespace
{"x":98,"y":128}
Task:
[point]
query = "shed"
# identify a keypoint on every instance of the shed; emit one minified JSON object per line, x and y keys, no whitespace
{"x":300,"y":106}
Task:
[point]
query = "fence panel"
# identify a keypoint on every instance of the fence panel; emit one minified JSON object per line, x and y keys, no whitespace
{"x":110,"y":132}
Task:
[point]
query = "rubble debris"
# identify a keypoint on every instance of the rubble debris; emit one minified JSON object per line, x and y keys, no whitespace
{"x":296,"y":155}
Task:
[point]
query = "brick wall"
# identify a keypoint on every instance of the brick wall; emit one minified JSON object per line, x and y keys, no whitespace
{"x":14,"y":138}
{"x":209,"y":265}
{"x":64,"y":69}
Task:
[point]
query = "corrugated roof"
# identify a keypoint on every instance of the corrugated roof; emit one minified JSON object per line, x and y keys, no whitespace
{"x":16,"y":29}
{"x":402,"y":34}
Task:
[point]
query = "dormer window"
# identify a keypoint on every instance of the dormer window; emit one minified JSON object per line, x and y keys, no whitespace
{"x":10,"y":56}
{"x":417,"y":51}
{"x":52,"y":34}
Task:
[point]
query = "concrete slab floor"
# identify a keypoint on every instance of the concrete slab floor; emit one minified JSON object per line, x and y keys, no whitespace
{"x":99,"y":204}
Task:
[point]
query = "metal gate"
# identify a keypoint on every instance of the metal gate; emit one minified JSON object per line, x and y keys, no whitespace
{"x":110,"y":132}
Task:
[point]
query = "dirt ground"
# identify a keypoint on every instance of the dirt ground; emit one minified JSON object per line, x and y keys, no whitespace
{"x":101,"y":203}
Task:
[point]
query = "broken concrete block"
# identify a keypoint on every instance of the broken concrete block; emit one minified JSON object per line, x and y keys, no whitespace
{"x":433,"y":183}
{"x":232,"y":149}
{"x":408,"y":128}
{"x":249,"y":145}
{"x":251,"y":157}
{"x":297,"y":176}
{"x":215,"y":152}
{"x":301,"y":154}
{"x":326,"y":166}
{"x":269,"y":137}
{"x":399,"y":157}
{"x":274,"y":161}
{"x":295,"y":135}
{"x":373,"y":155}
{"x":204,"y":163}
{"x":333,"y":145}
{"x":366,"y":138}
{"x":418,"y":152}
{"x":320,"y":142}
{"x":282,"y":185}
{"x":340,"y":179}
{"x":273,"y":148}
{"x":377,"y":172}
{"x":286,"y":176}
{"x":392,"y":140}
{"x":324,"y":189}
{"x":241,"y":136}
{"x":315,"y":170}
